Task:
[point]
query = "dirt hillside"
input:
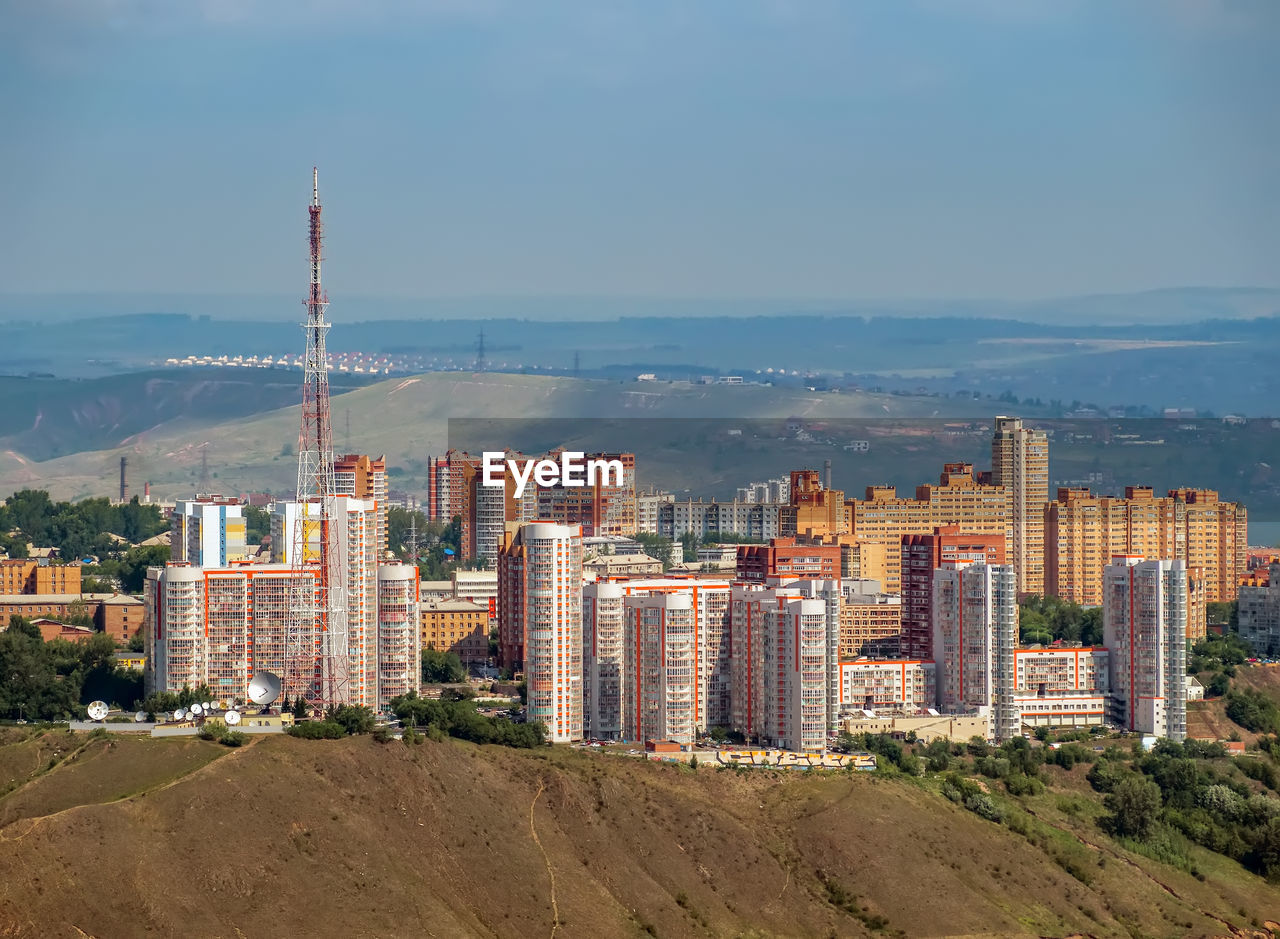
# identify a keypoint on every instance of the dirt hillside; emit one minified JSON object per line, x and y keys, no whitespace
{"x":134,"y":836}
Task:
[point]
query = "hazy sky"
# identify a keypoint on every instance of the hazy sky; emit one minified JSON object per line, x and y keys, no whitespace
{"x":708,"y":148}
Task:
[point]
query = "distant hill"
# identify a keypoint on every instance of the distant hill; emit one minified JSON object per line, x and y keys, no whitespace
{"x":408,"y":420}
{"x":289,"y":837}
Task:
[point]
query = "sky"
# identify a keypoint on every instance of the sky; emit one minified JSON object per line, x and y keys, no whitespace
{"x":753,"y":150}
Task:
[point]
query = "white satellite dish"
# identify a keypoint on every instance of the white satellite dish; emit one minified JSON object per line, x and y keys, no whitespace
{"x":196,"y":708}
{"x":232,"y":718}
{"x":98,"y":710}
{"x":264,"y":688}
{"x":180,"y":715}
{"x":140,"y":716}
{"x":208,"y":707}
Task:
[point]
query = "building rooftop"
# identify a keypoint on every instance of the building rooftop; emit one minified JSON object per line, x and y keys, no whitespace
{"x":113,"y":598}
{"x":454,"y":606}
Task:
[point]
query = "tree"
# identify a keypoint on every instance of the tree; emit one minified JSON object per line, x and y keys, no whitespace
{"x":300,"y":708}
{"x":352,"y":718}
{"x":1134,"y":804}
{"x":137,"y":643}
{"x":257,"y":524}
{"x":442,"y":667}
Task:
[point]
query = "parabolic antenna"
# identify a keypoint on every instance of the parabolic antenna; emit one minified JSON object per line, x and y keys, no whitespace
{"x":196,"y":708}
{"x":140,"y":716}
{"x":232,"y":718}
{"x":180,"y":715}
{"x":222,"y":705}
{"x":98,"y":710}
{"x":264,"y":688}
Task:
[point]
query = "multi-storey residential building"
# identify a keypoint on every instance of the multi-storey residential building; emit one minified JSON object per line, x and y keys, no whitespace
{"x":870,"y":625}
{"x":785,"y":663}
{"x":860,"y":559}
{"x":1020,"y":464}
{"x":1083,"y":532}
{"x":660,"y":669}
{"x":606,"y":507}
{"x":220,"y":625}
{"x":648,"y":509}
{"x":921,"y":555}
{"x":785,"y":558}
{"x":459,"y":626}
{"x":975,"y":623}
{"x":602,"y":660}
{"x":1062,"y":687}
{"x":887,"y":685}
{"x":818,"y":510}
{"x":540,"y":621}
{"x":1144,"y":621}
{"x":30,"y":576}
{"x":207,"y":531}
{"x":365,"y":477}
{"x":709,"y":599}
{"x":758,"y":521}
{"x":1259,"y":611}
{"x":959,"y":499}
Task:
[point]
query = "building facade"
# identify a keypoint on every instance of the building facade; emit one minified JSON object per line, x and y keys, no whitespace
{"x":1020,"y":465}
{"x":921,"y":555}
{"x":1259,"y":612}
{"x":458,"y":626}
{"x":660,"y":668}
{"x":1144,"y":621}
{"x":207,"y":531}
{"x":900,"y":685}
{"x":540,"y":622}
{"x":364,"y":477}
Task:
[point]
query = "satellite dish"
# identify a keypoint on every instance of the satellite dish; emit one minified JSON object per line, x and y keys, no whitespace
{"x":180,"y":715}
{"x":264,"y":688}
{"x":196,"y":708}
{"x":98,"y":710}
{"x":140,"y":716}
{"x":222,"y":705}
{"x":232,"y":718}
{"x":208,"y":706}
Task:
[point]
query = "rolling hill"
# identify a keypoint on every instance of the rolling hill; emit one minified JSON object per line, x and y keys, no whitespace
{"x":125,"y":836}
{"x":408,"y":420}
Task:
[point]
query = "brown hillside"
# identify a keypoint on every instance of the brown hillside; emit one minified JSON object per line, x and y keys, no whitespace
{"x":350,"y":838}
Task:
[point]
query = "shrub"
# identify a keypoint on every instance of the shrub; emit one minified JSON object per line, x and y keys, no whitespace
{"x":982,"y":804}
{"x":1134,"y":804}
{"x":233,"y":738}
{"x":382,"y":735}
{"x":317,"y":730}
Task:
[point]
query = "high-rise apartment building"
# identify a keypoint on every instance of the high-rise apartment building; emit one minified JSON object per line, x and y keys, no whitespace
{"x":975,"y":624}
{"x":1083,"y":532}
{"x":1063,"y":687}
{"x":785,"y":663}
{"x":870,"y":625}
{"x":958,"y":499}
{"x":207,"y":531}
{"x":220,"y":625}
{"x":602,"y":660}
{"x":921,"y":555}
{"x":710,"y":601}
{"x":31,"y":577}
{"x":660,"y":668}
{"x":540,"y":621}
{"x":1144,"y":622}
{"x":1259,"y":612}
{"x":1020,"y":464}
{"x":818,"y":510}
{"x":607,"y":507}
{"x":365,"y":477}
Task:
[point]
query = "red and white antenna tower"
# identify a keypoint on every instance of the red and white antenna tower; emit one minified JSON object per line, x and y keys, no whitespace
{"x":317,"y":653}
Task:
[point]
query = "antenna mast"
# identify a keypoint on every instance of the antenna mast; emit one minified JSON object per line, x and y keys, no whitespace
{"x":317,"y":659}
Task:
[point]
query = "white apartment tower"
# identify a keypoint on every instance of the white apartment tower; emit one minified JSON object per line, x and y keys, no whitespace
{"x":975,"y":631}
{"x":659,"y":684}
{"x":1144,"y":622}
{"x":783,"y":668}
{"x":540,"y":622}
{"x":602,"y":660}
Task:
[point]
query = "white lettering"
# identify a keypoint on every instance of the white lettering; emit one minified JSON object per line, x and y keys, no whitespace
{"x":546,"y":473}
{"x":604,"y":467}
{"x":522,"y":479}
{"x":571,"y":463}
{"x":493,"y":466}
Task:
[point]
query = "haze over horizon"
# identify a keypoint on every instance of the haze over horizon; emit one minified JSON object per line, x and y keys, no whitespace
{"x":755,"y":153}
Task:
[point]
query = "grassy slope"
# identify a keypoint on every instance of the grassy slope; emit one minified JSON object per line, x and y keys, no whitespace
{"x":350,"y":838}
{"x":1208,"y":719}
{"x":407,"y":419}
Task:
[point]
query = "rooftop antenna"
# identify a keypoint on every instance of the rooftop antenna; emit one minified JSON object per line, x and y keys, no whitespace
{"x":480,"y":358}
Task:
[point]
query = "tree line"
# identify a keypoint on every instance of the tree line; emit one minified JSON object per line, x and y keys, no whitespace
{"x":50,"y":681}
{"x":76,"y":529}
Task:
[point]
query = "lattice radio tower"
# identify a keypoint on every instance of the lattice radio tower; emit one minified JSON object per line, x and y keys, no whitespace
{"x":316,"y":642}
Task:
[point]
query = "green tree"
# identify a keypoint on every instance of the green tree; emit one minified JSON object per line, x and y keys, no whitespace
{"x":1134,"y":805}
{"x":442,"y":667}
{"x":352,"y":718}
{"x":257,"y":524}
{"x":300,"y":708}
